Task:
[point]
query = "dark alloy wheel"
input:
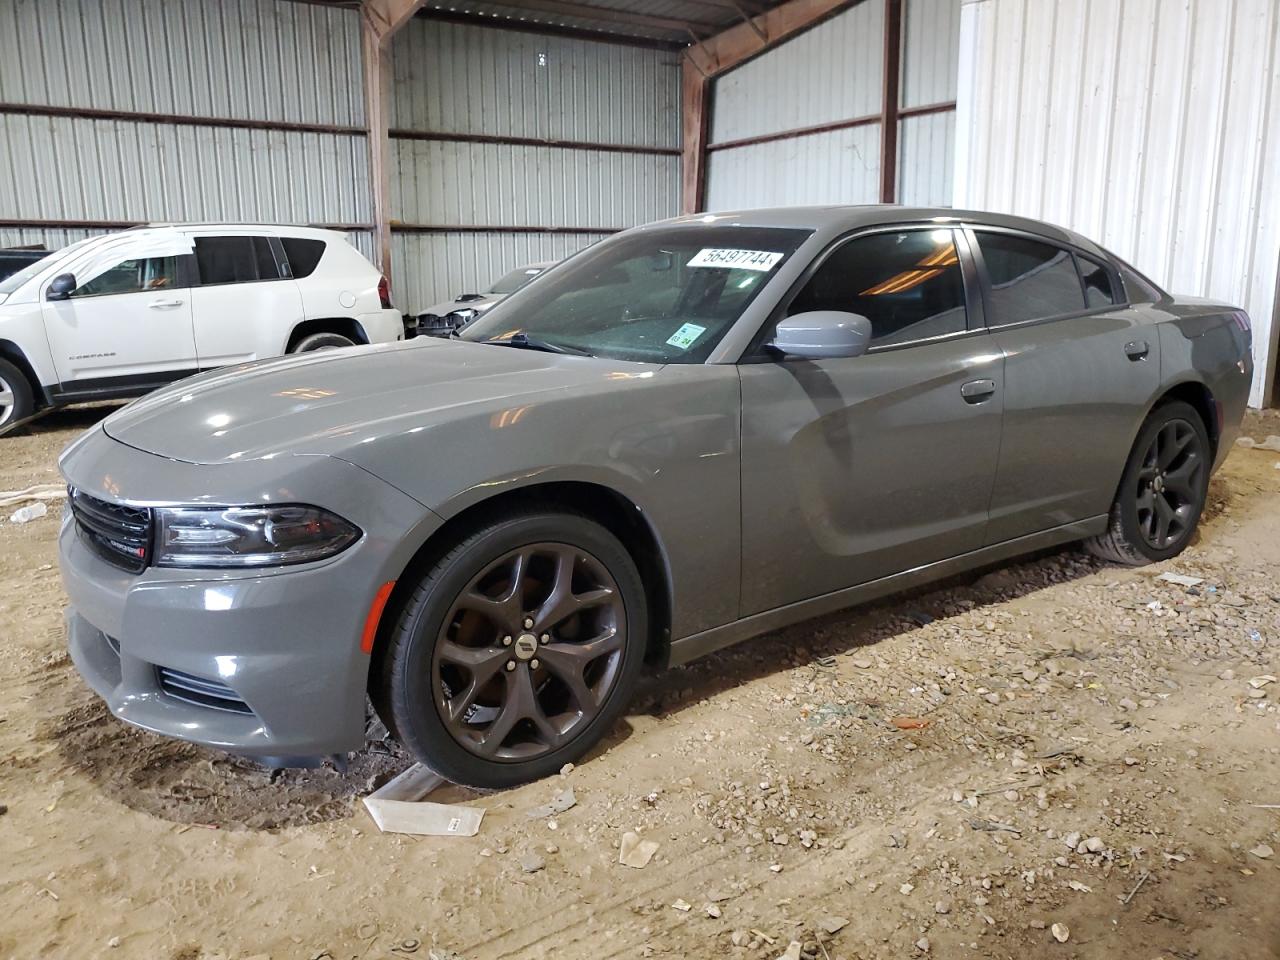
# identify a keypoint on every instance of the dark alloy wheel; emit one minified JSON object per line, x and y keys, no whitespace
{"x":1162,"y":492}
{"x":516,"y":651}
{"x":529,"y":652}
{"x":1169,"y":484}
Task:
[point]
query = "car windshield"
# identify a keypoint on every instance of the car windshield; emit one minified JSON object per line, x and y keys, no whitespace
{"x":13,"y":282}
{"x":514,"y":280}
{"x":660,"y":295}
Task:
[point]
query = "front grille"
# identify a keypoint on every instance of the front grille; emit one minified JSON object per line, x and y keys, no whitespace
{"x":120,"y":535}
{"x":196,"y":690}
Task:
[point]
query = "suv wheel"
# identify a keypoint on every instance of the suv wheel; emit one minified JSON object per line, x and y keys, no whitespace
{"x":1163,"y":489}
{"x":517,"y":651}
{"x":16,"y":401}
{"x":322,"y":341}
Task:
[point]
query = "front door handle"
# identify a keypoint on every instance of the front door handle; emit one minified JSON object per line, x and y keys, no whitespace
{"x":164,"y":304}
{"x":1137,"y":350}
{"x":975,"y":391}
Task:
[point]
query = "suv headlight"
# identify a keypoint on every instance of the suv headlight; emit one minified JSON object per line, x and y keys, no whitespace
{"x":248,"y":536}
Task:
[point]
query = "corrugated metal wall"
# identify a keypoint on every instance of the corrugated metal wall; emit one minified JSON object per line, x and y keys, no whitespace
{"x":833,"y":74}
{"x":245,"y":62}
{"x":463,"y":93}
{"x":1156,"y":132}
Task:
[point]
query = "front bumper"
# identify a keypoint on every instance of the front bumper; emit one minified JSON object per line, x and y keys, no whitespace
{"x":265,"y":663}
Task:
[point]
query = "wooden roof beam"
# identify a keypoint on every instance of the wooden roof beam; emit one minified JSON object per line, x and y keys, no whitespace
{"x":724,"y":51}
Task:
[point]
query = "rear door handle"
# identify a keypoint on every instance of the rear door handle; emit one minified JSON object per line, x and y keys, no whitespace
{"x":975,"y":391}
{"x":1137,"y":350}
{"x":164,"y":304}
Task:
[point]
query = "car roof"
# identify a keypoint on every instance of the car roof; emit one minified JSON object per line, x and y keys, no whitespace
{"x":274,"y":229}
{"x":840,"y":218}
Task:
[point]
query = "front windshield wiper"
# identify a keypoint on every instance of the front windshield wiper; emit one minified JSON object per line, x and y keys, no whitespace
{"x":523,"y":341}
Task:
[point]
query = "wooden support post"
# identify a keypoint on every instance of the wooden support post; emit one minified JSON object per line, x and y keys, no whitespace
{"x":889,"y":104}
{"x":379,"y":20}
{"x":693,"y":137}
{"x":377,"y":66}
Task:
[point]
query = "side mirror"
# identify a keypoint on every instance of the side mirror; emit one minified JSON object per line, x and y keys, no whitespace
{"x":823,"y":334}
{"x":62,"y":286}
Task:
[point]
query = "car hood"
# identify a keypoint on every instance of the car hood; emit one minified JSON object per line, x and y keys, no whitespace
{"x":330,"y":402}
{"x":481,"y":303}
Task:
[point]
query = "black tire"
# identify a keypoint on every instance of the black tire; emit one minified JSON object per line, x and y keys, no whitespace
{"x":16,"y":399}
{"x":322,"y":341}
{"x":421,"y":681}
{"x":1151,"y":519}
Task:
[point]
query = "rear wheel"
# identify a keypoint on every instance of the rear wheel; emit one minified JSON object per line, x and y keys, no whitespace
{"x":16,"y":400}
{"x":322,"y":341}
{"x":1162,"y":492}
{"x":517,"y":651}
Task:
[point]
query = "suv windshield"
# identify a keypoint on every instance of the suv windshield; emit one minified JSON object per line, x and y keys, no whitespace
{"x":13,"y":282}
{"x":514,"y":280}
{"x":661,"y":296}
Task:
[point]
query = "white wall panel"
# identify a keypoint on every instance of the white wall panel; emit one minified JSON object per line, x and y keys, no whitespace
{"x":246,"y":59}
{"x":443,"y":182}
{"x":832,"y":72}
{"x":456,"y":78}
{"x":930,"y":51}
{"x":926,"y":159}
{"x":59,"y":168}
{"x":838,"y":167}
{"x":1151,"y":126}
{"x":468,"y":80}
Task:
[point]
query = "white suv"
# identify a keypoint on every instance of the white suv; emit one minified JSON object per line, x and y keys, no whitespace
{"x":119,"y":315}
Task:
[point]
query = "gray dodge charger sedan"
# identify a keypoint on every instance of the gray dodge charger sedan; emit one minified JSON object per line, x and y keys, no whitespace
{"x":687,"y":434}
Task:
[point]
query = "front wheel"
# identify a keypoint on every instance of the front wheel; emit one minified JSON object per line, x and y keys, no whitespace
{"x":16,"y":401}
{"x":1163,"y":490}
{"x":517,"y":651}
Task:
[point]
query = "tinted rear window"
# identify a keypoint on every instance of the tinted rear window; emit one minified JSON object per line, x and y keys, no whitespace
{"x":1029,"y":279}
{"x":235,"y":260}
{"x":303,"y":255}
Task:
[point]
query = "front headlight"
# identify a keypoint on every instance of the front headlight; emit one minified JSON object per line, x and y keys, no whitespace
{"x":248,"y":536}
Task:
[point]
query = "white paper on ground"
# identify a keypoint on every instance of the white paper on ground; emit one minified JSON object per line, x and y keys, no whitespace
{"x":397,"y":807}
{"x":1181,"y":579}
{"x":42,"y":491}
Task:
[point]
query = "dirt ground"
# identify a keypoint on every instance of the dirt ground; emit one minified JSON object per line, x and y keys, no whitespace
{"x":1094,"y":757}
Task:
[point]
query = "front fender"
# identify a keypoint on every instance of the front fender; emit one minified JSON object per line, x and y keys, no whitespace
{"x":669,"y":444}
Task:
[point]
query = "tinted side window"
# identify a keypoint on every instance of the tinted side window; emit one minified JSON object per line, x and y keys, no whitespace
{"x":133,"y":276}
{"x":1099,"y":291}
{"x":235,"y":260}
{"x":1029,"y":279}
{"x":907,"y":284}
{"x":303,"y":255}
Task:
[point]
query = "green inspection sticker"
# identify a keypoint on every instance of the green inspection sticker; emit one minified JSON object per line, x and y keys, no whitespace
{"x":686,"y":335}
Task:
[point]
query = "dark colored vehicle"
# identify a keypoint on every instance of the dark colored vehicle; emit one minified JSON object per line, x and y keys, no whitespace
{"x":690,"y":433}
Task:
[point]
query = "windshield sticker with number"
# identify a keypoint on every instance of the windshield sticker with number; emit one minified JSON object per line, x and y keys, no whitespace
{"x":762,"y":260}
{"x":684,"y":337}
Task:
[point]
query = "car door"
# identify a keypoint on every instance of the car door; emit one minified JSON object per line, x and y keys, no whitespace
{"x":857,"y":468}
{"x":127,"y":324}
{"x":1080,"y":368}
{"x":245,"y":305}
